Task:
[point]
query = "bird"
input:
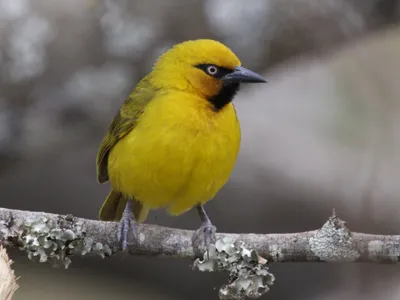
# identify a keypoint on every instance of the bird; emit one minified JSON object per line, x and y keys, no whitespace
{"x":175,"y":140}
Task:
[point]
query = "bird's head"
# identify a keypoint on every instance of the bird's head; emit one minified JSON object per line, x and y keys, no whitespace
{"x":205,"y":67}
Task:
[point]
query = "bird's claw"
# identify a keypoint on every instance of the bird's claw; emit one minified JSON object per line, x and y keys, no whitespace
{"x":203,"y":238}
{"x":126,"y":223}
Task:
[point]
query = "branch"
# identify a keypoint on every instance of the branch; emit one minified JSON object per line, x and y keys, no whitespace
{"x":55,"y":238}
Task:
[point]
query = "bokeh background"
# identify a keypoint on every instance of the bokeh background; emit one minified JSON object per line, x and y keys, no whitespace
{"x":322,"y":134}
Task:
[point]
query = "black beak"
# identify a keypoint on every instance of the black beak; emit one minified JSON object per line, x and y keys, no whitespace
{"x":241,"y":74}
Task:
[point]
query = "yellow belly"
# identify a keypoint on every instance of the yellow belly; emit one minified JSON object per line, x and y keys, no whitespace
{"x":180,"y":153}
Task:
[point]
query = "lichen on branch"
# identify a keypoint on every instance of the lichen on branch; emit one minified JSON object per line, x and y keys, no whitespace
{"x":50,"y":240}
{"x":248,"y":272}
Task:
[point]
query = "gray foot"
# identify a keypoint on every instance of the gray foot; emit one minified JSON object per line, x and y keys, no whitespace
{"x":205,"y":235}
{"x":126,"y":224}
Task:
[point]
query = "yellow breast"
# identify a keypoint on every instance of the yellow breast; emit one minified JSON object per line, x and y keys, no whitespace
{"x":181,"y":153}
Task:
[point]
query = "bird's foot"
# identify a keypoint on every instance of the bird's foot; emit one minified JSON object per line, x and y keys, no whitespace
{"x":203,"y":238}
{"x":126,"y":224}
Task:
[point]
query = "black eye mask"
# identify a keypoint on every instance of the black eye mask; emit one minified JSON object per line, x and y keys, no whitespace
{"x":220,"y":71}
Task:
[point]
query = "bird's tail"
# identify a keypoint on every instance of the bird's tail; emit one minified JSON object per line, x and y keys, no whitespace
{"x":114,"y":205}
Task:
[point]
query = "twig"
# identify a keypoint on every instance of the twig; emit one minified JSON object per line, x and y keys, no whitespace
{"x":8,"y":281}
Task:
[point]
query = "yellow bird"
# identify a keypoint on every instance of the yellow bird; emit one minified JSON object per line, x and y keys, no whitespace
{"x":174,"y":142}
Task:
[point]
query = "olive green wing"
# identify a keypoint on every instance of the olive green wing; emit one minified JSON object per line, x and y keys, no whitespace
{"x":124,"y":121}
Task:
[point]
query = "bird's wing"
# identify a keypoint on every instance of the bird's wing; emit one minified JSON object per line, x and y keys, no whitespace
{"x":124,"y":121}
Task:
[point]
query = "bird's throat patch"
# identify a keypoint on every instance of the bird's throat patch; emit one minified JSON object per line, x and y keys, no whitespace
{"x":225,"y":96}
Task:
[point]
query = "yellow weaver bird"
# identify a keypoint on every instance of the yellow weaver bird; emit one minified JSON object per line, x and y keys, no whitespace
{"x":174,"y":142}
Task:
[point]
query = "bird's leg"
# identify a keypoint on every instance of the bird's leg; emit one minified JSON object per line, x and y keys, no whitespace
{"x":206,"y":233}
{"x":127,"y":223}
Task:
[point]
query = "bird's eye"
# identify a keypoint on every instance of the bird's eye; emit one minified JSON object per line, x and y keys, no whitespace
{"x":212,"y":70}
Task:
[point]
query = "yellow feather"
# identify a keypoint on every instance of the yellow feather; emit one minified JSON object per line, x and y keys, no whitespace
{"x":181,"y":153}
{"x":169,"y":145}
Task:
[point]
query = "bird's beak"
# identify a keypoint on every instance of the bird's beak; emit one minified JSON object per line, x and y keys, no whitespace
{"x":241,"y":74}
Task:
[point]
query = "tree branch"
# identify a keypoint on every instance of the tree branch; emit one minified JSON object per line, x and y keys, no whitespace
{"x":52,"y":237}
{"x":310,"y":246}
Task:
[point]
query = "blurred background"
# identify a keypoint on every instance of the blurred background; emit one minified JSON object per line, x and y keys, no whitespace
{"x":322,"y":134}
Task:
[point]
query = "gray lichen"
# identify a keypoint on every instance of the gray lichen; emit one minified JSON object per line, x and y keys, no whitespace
{"x":333,"y":242}
{"x":47,"y":240}
{"x":249,"y":277}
